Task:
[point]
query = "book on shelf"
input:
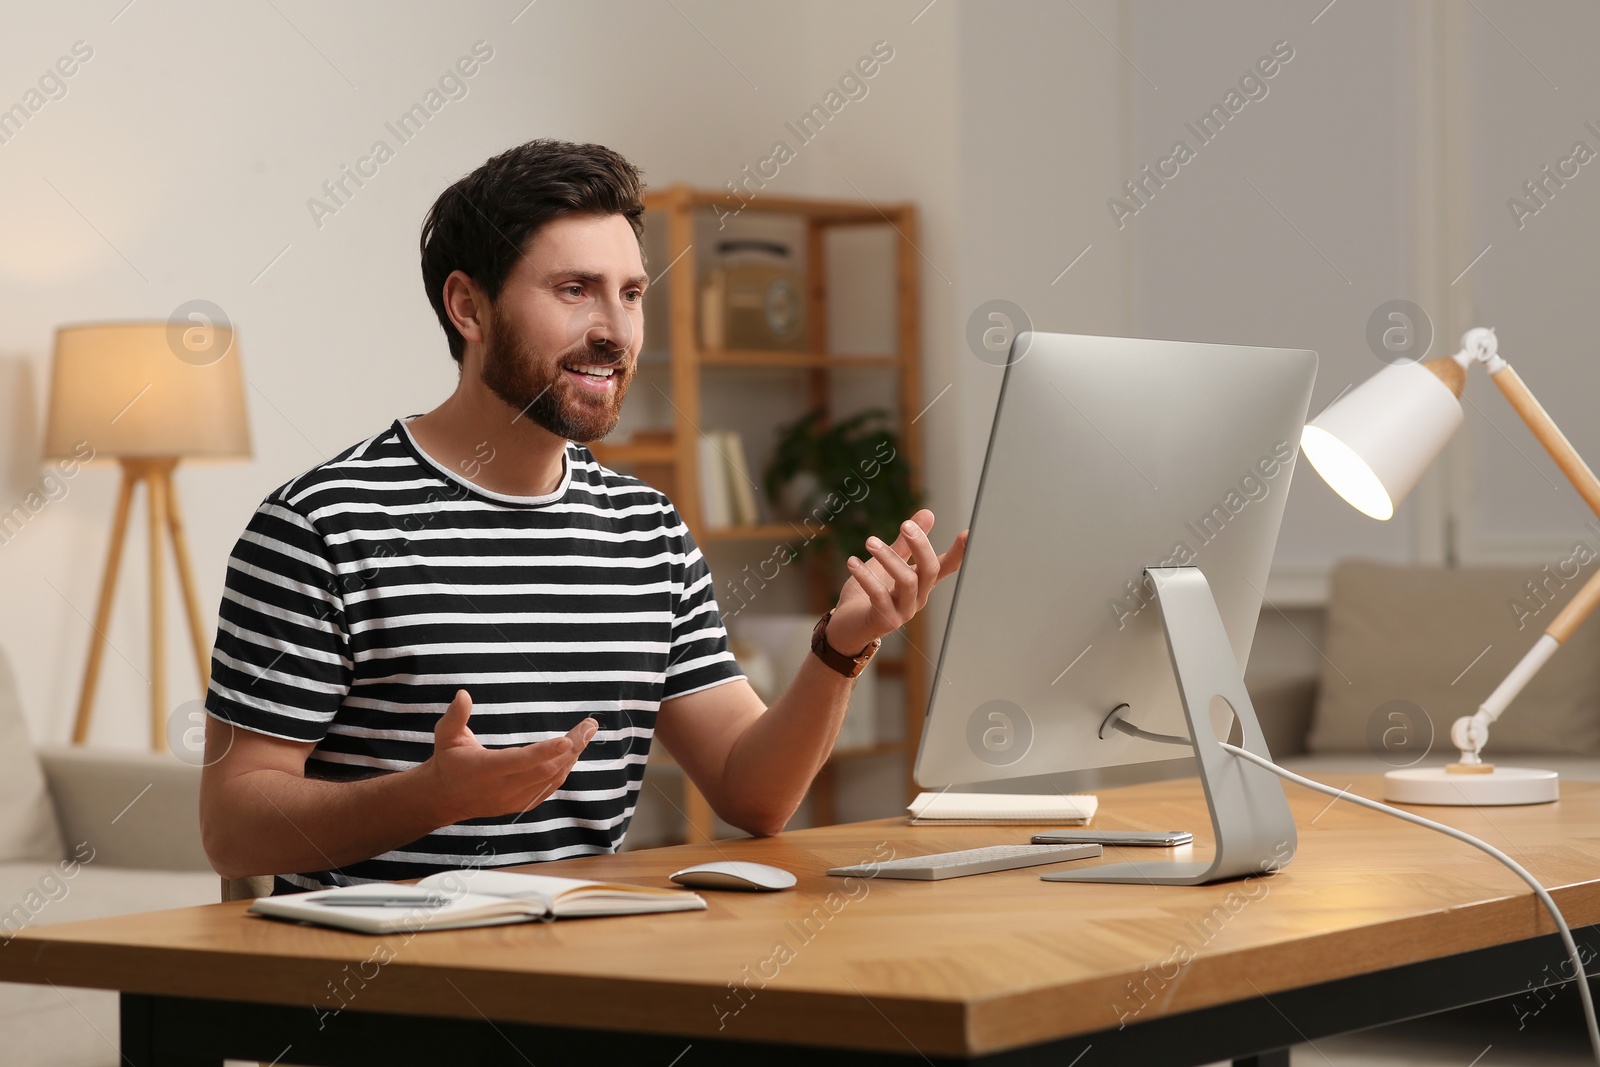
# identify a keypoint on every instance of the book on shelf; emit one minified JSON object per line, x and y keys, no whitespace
{"x":727,"y":494}
{"x":716,"y":505}
{"x":987,"y":809}
{"x":453,"y":900}
{"x":740,"y":483}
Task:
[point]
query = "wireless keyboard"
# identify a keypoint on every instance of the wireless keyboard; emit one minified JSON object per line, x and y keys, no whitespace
{"x":969,"y":861}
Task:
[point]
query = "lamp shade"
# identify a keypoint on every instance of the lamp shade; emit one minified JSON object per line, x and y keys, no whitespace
{"x":1372,"y":444}
{"x":147,"y":389}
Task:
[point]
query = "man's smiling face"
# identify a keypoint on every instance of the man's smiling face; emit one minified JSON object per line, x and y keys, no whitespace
{"x":562,"y":340}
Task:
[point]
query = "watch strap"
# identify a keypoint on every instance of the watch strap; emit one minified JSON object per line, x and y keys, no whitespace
{"x":848,"y":665}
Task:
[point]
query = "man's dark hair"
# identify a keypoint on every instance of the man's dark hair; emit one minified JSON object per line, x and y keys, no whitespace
{"x":482,"y":224}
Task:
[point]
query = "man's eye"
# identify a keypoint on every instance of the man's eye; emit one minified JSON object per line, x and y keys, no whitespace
{"x":635,"y":295}
{"x":575,"y":290}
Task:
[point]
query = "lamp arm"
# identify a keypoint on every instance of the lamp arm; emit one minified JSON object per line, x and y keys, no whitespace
{"x":1471,"y":733}
{"x":1548,"y":433}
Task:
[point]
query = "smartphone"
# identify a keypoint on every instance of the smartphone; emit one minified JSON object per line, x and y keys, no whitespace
{"x":1158,"y":838}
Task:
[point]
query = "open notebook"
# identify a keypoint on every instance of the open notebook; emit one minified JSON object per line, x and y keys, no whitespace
{"x":452,"y":900}
{"x":968,"y":809}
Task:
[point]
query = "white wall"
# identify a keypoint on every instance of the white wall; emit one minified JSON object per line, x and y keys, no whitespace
{"x":1290,"y":226}
{"x":1531,"y":90}
{"x":1043,"y":119}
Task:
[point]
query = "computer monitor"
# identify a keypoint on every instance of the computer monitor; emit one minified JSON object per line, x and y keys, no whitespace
{"x":1129,"y":485}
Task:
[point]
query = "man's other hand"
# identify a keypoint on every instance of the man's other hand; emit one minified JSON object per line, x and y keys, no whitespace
{"x":470,"y":781}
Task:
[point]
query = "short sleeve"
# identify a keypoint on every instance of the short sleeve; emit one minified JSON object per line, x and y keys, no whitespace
{"x":281,"y":664}
{"x":699,"y":658}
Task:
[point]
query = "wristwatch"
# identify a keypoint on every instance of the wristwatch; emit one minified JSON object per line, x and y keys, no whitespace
{"x":849,"y":666}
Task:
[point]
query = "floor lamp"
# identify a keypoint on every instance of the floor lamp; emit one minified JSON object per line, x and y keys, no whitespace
{"x":146,"y":394}
{"x":1371,"y":446}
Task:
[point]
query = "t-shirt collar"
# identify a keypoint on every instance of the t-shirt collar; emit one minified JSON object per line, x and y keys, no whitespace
{"x":477,"y":490}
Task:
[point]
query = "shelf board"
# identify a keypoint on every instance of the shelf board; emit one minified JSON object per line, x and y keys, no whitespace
{"x":820,"y":210}
{"x":633,"y":452}
{"x":813,"y":360}
{"x":781,"y":531}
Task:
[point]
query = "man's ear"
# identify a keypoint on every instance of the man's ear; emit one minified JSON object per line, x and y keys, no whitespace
{"x":466,"y":305}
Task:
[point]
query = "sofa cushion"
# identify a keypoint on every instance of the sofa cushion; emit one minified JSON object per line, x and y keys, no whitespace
{"x":48,"y":1026}
{"x":1442,"y":639}
{"x":28,"y":831}
{"x":137,"y":809}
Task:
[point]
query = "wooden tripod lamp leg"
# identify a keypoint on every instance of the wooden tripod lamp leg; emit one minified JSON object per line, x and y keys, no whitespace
{"x":102,"y":611}
{"x":158,"y":638}
{"x":191,"y":601}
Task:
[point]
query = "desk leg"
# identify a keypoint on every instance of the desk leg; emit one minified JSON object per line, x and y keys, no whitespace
{"x":1275,"y":1058}
{"x":146,"y":1043}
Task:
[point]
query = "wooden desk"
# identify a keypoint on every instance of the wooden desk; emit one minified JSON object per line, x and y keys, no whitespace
{"x":1374,"y":921}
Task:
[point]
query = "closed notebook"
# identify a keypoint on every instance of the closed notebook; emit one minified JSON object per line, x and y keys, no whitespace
{"x":999,"y":808}
{"x":453,"y":900}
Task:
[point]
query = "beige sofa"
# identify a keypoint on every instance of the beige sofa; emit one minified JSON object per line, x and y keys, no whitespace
{"x":1403,"y":651}
{"x":87,"y":833}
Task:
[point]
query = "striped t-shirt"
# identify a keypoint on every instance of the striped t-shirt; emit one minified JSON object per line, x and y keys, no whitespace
{"x":368,"y":590}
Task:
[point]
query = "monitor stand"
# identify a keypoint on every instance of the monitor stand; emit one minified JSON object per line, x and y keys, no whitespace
{"x":1250,"y":817}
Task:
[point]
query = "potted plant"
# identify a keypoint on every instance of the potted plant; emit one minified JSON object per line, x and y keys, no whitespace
{"x":843,"y":481}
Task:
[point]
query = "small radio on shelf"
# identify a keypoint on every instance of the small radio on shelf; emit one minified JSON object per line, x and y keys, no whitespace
{"x":751,"y":299}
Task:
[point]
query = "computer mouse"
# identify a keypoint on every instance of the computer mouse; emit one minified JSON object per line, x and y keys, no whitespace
{"x":732,"y":874}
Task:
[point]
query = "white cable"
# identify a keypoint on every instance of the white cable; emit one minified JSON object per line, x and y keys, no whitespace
{"x":1451,"y":831}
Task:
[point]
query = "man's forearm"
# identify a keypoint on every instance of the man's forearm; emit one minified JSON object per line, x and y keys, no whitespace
{"x":772,"y":764}
{"x":271,"y":822}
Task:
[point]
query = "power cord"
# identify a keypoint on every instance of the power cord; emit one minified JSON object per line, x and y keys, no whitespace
{"x":1451,"y":831}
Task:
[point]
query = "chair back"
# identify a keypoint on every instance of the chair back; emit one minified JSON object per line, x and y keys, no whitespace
{"x":247,"y":888}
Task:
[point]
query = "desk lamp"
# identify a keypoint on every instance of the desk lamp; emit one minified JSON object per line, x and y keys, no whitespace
{"x":1371,"y":446}
{"x":147,"y":394}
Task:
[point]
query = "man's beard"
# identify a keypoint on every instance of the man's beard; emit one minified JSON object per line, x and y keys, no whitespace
{"x":537,"y":386}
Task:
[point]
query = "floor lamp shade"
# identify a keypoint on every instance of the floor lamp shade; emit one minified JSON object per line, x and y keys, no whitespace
{"x":147,"y":389}
{"x":1372,"y":445}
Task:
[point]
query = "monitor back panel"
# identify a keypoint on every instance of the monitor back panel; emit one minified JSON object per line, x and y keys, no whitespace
{"x":1108,"y":455}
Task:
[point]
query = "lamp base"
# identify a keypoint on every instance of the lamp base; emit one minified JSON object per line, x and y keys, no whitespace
{"x":1499,"y":787}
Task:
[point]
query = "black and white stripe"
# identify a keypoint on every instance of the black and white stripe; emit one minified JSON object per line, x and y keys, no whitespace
{"x":364,"y":593}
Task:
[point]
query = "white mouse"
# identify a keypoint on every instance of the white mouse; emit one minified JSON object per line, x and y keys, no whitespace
{"x":730,"y":874}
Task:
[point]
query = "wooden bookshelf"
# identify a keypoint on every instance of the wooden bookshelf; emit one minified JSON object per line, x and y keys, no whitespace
{"x":670,"y":459}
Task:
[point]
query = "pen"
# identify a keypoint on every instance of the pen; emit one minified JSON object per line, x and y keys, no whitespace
{"x":433,"y":900}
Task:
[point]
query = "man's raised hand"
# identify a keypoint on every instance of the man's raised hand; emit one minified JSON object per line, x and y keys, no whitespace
{"x":885,"y":591}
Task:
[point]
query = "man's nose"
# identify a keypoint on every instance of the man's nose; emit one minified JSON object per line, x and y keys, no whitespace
{"x":607,"y":325}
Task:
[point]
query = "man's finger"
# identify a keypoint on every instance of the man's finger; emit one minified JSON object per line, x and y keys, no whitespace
{"x":522,"y":759}
{"x":925,"y":559}
{"x":951,"y":560}
{"x":901,"y":575}
{"x":452,"y":725}
{"x":902,"y":542}
{"x":877,"y":593}
{"x":528,"y":758}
